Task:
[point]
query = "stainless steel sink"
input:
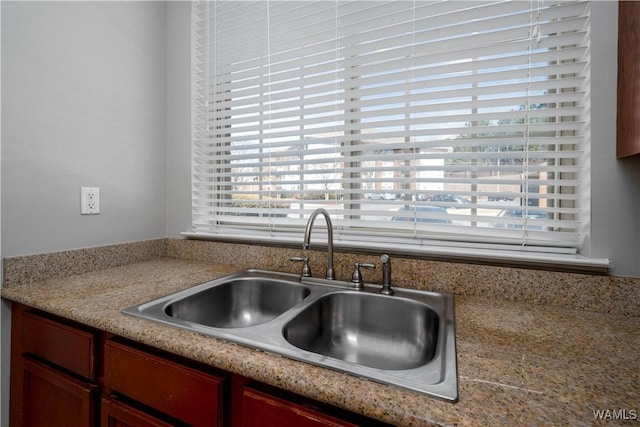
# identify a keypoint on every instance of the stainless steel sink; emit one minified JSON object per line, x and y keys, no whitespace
{"x":238,"y":303}
{"x":407,"y":339}
{"x":367,"y":329}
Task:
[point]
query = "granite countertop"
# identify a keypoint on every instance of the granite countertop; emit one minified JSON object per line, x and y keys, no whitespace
{"x":517,"y":364}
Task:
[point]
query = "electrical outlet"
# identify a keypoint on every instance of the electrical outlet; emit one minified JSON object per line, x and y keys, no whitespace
{"x":89,"y":200}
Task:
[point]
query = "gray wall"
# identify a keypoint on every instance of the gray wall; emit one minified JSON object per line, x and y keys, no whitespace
{"x":84,"y":104}
{"x":178,"y":117}
{"x":615,"y":184}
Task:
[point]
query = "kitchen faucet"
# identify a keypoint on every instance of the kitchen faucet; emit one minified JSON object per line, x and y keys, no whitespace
{"x":307,"y":238}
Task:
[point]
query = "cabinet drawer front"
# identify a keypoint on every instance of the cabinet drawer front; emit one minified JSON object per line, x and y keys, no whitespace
{"x":176,"y":390}
{"x":63,"y":345}
{"x":117,"y":414}
{"x":263,"y":410}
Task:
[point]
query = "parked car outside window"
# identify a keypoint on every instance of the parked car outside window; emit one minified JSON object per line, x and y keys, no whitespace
{"x":384,"y":196}
{"x":421,"y":209}
{"x":519,"y":213}
{"x":450,"y":198}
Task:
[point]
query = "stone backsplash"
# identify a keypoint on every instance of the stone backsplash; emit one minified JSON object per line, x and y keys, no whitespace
{"x":598,"y":293}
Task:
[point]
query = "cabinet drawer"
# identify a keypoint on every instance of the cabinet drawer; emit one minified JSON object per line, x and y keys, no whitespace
{"x":263,"y":410}
{"x":117,"y":414}
{"x":171,"y":388}
{"x":68,"y":347}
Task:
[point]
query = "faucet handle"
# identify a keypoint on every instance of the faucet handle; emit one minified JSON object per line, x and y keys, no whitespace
{"x":357,"y":276}
{"x":306,"y":270}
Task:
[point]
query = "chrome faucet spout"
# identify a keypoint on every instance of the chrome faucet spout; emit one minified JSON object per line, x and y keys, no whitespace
{"x":307,"y":239}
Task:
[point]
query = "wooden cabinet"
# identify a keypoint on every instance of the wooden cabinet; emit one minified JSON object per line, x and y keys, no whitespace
{"x":66,"y":374}
{"x":180,"y":392}
{"x":66,"y":346}
{"x":260,"y":409}
{"x":60,"y":369}
{"x":117,"y":414}
{"x":60,"y":399}
{"x":628,"y":126}
{"x":53,"y":375}
{"x":256,"y":404}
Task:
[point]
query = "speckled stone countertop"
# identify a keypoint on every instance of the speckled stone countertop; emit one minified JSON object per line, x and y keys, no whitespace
{"x":518,"y":364}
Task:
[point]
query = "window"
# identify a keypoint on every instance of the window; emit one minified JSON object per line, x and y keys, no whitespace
{"x":437,"y":126}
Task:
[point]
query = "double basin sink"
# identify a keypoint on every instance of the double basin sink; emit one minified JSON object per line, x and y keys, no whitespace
{"x":406,"y":340}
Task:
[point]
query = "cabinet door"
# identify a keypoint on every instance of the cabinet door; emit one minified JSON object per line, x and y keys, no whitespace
{"x":628,"y":79}
{"x":54,"y":399}
{"x":117,"y":414}
{"x":263,"y":410}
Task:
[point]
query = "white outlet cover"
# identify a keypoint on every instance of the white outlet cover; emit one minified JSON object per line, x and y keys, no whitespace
{"x":89,"y":200}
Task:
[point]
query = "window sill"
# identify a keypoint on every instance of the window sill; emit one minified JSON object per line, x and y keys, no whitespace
{"x":510,"y":258}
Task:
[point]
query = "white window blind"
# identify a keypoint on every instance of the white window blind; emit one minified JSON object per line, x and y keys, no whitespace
{"x":447,"y":123}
